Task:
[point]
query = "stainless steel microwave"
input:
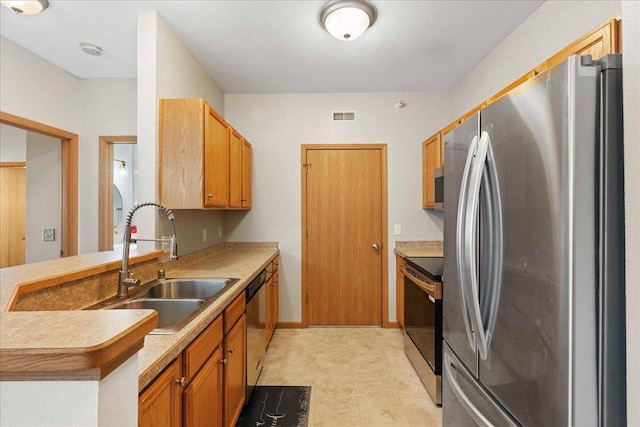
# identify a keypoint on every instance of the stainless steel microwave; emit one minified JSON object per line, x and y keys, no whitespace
{"x":438,"y":175}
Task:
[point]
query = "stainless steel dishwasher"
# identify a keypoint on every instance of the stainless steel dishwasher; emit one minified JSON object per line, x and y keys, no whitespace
{"x":256,"y":342}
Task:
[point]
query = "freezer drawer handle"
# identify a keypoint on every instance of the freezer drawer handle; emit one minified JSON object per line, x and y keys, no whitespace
{"x":474,"y":412}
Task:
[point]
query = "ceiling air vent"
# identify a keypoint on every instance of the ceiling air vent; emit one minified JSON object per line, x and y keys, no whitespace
{"x":344,"y":116}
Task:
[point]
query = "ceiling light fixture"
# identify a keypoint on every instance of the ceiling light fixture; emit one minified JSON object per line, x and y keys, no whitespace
{"x":28,"y":7}
{"x":347,"y":19}
{"x":91,"y":49}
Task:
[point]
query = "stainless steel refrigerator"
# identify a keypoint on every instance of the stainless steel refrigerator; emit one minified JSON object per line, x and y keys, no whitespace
{"x":533,"y":284}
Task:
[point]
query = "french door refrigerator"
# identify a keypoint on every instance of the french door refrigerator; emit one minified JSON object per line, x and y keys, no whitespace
{"x":533,"y":284}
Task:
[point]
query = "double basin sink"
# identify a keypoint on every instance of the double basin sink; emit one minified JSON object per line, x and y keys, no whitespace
{"x":177,"y":301}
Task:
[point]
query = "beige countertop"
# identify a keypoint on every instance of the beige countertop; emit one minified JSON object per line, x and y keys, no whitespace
{"x":419,"y":249}
{"x":78,"y":333}
{"x":240,"y":261}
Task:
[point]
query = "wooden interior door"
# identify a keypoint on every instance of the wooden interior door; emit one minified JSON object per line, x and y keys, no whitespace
{"x":13,"y":191}
{"x":344,"y":222}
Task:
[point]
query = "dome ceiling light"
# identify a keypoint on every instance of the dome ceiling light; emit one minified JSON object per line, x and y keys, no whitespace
{"x":347,"y":19}
{"x":28,"y":7}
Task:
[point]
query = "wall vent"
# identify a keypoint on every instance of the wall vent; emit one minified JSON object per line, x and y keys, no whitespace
{"x":343,"y":116}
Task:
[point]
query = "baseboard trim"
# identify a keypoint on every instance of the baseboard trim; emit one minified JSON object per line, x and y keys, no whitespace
{"x":393,"y":325}
{"x":290,"y":325}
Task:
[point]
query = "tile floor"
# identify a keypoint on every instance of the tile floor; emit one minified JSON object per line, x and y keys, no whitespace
{"x":359,"y":377}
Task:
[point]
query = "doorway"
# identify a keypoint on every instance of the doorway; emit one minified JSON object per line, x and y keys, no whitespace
{"x":68,"y":179}
{"x":344,"y":235}
{"x":107,"y":189}
{"x":13,"y":192}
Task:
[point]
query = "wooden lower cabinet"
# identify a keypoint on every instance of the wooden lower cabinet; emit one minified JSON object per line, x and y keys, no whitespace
{"x":206,"y":384}
{"x":160,"y":404}
{"x":400,"y":290}
{"x":271,"y":309}
{"x":203,"y":397}
{"x":235,"y":371}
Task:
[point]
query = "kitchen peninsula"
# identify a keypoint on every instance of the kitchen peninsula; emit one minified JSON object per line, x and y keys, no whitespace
{"x":43,"y":323}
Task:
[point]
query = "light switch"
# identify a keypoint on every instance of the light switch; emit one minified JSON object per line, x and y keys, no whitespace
{"x":397,"y":229}
{"x":48,"y":234}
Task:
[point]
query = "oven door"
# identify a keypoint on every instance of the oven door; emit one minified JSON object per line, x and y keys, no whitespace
{"x":423,"y":322}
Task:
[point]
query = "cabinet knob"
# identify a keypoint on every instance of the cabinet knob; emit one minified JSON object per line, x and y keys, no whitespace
{"x":181,"y":382}
{"x":210,"y":195}
{"x":375,"y":246}
{"x":224,"y":361}
{"x":231,"y":350}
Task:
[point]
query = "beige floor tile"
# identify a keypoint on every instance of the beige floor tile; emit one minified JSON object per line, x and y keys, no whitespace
{"x":374,"y":384}
{"x":382,"y":412}
{"x":422,"y":412}
{"x":359,"y":376}
{"x":337,"y":413}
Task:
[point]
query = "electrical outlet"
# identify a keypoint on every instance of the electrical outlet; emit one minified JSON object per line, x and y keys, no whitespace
{"x":48,"y":234}
{"x":220,"y":231}
{"x":204,"y":235}
{"x":397,"y":229}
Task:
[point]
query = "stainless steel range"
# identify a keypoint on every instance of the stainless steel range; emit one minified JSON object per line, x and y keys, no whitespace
{"x":423,"y":320}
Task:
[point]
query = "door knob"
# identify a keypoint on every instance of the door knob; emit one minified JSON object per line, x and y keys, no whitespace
{"x":375,"y":246}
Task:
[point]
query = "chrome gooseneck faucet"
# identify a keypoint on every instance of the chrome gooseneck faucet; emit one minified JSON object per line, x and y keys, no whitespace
{"x":125,"y":280}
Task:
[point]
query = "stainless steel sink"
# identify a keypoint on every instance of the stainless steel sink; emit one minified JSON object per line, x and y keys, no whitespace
{"x":187,"y":288}
{"x":171,"y":312}
{"x":177,"y":301}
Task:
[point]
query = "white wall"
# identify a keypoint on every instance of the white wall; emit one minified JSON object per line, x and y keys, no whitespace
{"x":166,"y":69}
{"x":553,"y":26}
{"x":43,"y":196}
{"x":13,"y":144}
{"x":125,"y":184}
{"x":108,"y":109}
{"x":34,"y":88}
{"x":277,"y":125}
{"x":631,"y":83}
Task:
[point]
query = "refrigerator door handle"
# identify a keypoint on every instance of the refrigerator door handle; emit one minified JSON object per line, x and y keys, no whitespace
{"x":491,"y":280}
{"x":470,"y":243}
{"x":478,"y":417}
{"x":461,"y":259}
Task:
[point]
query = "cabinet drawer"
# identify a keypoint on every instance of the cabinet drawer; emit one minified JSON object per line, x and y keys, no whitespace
{"x":233,"y":312}
{"x":197,"y":353}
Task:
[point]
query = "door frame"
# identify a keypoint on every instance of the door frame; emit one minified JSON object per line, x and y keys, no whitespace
{"x":69,"y":178}
{"x":105,"y":187}
{"x":384,"y":218}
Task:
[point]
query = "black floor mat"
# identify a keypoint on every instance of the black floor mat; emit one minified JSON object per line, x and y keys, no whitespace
{"x":281,"y":406}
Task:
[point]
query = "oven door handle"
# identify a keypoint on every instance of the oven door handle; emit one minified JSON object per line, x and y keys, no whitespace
{"x":429,"y":288}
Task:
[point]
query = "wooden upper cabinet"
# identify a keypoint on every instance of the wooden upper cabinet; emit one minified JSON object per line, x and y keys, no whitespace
{"x":193,"y":154}
{"x":201,"y":158}
{"x":246,"y":174}
{"x":216,"y":160}
{"x":602,"y":41}
{"x":431,"y":159}
{"x":235,"y":170}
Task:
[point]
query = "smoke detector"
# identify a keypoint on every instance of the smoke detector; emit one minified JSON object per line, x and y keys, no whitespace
{"x":91,"y":49}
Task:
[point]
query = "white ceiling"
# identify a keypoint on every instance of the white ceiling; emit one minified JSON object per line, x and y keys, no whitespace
{"x":278,"y":46}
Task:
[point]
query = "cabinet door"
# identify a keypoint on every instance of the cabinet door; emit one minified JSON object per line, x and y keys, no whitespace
{"x":400,"y":289}
{"x":235,"y":380}
{"x":203,"y":397}
{"x":160,"y":404}
{"x":235,"y":170}
{"x":216,"y":160}
{"x":246,"y":174}
{"x":431,"y":159}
